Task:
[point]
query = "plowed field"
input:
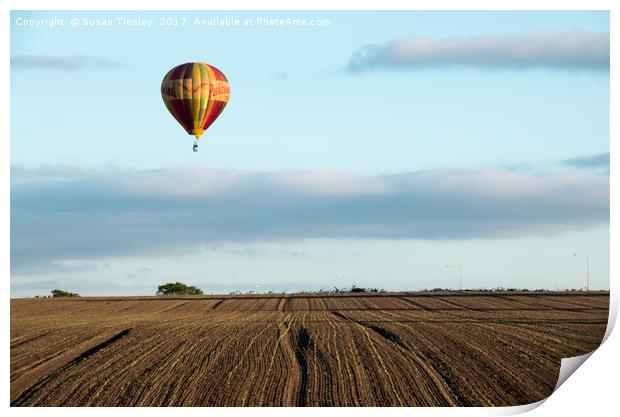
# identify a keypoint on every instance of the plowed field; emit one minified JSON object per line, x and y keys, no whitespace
{"x":386,"y":349}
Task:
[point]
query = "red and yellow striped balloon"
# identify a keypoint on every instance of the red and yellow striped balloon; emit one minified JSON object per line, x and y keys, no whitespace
{"x":195,"y":93}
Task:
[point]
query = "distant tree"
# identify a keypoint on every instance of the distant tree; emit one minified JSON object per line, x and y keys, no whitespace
{"x":61,"y":293}
{"x":177,"y":288}
{"x":357,"y":289}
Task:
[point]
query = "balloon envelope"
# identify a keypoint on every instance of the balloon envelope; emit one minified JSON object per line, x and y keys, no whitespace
{"x":195,"y":93}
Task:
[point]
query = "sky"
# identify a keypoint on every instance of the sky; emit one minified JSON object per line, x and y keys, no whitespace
{"x":366,"y":148}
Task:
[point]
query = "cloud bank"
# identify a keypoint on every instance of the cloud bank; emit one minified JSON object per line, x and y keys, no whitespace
{"x":60,"y":213}
{"x":62,"y":63}
{"x":570,"y":50}
{"x":600,"y":160}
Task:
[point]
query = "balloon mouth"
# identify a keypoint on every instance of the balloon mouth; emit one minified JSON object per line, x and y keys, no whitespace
{"x":197,"y":132}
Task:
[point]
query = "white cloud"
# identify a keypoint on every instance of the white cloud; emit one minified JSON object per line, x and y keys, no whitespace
{"x":570,"y":50}
{"x":62,"y":63}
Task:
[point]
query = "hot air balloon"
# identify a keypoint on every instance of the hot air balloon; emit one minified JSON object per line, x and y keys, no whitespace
{"x":195,"y":94}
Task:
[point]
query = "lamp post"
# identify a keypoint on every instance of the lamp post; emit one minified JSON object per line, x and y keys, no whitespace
{"x":587,"y":268}
{"x":460,"y":274}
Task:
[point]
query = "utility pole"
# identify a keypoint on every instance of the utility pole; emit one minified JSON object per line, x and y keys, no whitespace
{"x":460,"y":274}
{"x":587,"y":268}
{"x":587,"y":273}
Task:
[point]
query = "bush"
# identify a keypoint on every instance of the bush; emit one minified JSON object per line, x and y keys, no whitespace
{"x":177,"y":288}
{"x":61,"y":293}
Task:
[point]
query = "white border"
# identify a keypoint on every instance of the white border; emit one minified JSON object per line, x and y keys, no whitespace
{"x":312,"y":5}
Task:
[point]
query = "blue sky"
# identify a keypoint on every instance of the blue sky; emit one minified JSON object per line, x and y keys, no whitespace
{"x":375,"y":149}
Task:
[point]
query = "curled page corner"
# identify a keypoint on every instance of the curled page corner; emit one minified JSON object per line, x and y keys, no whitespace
{"x":520,"y":409}
{"x":568,"y":366}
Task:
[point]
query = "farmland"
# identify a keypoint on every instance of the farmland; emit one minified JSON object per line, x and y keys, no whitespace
{"x":385,"y":349}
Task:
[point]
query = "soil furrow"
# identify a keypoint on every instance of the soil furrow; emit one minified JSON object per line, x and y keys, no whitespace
{"x":23,"y":398}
